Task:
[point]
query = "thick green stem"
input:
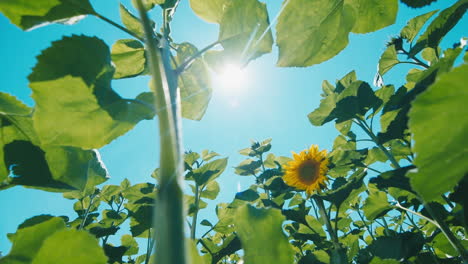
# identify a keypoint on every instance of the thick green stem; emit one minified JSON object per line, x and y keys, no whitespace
{"x":169,"y":212}
{"x":437,"y":219}
{"x":338,"y":253}
{"x":193,"y":227}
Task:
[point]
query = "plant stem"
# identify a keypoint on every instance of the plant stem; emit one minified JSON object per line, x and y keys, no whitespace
{"x":87,"y":212}
{"x":437,"y":220}
{"x":118,"y":26}
{"x":169,"y":212}
{"x":193,"y":227}
{"x":338,"y":250}
{"x":364,"y":222}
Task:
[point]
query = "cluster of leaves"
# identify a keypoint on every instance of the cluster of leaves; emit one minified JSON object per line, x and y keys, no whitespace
{"x":413,"y":213}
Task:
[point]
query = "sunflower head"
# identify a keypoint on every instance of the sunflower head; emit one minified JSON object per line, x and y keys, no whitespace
{"x":307,"y":171}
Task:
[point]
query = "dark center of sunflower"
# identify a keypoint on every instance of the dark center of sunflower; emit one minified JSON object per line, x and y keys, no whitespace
{"x":308,"y":171}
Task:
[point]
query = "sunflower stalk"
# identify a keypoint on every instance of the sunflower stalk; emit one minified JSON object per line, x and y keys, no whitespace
{"x":338,"y":252}
{"x":456,"y":244}
{"x":169,"y":216}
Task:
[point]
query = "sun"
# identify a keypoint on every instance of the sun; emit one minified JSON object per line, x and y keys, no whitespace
{"x":232,"y":79}
{"x":307,"y":171}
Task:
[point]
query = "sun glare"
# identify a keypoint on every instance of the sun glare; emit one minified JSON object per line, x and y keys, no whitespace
{"x":231,"y":80}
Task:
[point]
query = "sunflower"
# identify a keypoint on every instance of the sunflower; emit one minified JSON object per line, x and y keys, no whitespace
{"x":307,"y":171}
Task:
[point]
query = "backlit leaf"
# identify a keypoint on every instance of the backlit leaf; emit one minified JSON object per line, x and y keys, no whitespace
{"x":414,"y":25}
{"x":311,"y":32}
{"x":31,"y":14}
{"x":128,"y":56}
{"x":262,"y":237}
{"x":440,"y":26}
{"x":373,"y":14}
{"x":131,"y":22}
{"x":388,"y":60}
{"x":209,"y":10}
{"x":194,"y":84}
{"x":70,"y":246}
{"x":75,"y":105}
{"x":432,"y":116}
{"x":247,"y":22}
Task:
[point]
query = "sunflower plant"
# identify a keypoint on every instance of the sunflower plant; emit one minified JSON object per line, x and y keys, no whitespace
{"x":380,"y":195}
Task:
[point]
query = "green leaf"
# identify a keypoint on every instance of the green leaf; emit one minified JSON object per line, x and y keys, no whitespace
{"x":75,"y":105}
{"x":376,"y":205}
{"x":32,"y":14}
{"x":70,"y":246}
{"x":394,"y":178}
{"x":29,"y":238}
{"x":248,"y":167}
{"x":417,"y":4}
{"x":373,"y":14}
{"x":432,"y":118}
{"x":388,"y":60}
{"x":377,"y":260}
{"x":211,"y":190}
{"x":247,"y":195}
{"x":268,"y":246}
{"x":148,"y":4}
{"x":130,"y":243}
{"x":441,"y":25}
{"x":128,"y":56}
{"x":194,"y":83}
{"x":208,"y":155}
{"x":43,"y":167}
{"x":11,"y":105}
{"x":311,"y":32}
{"x":209,"y":10}
{"x":341,"y":192}
{"x":131,"y":22}
{"x":414,"y":25}
{"x":209,"y":171}
{"x":375,"y":154}
{"x":401,"y":246}
{"x":246,"y":23}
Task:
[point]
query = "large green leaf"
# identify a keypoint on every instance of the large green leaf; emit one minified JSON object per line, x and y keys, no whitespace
{"x":28,"y":14}
{"x":75,"y":105}
{"x":310,"y":32}
{"x":439,"y":127}
{"x":373,"y":14}
{"x":128,"y":56}
{"x":348,"y":101}
{"x":342,"y":191}
{"x":414,"y":25}
{"x":131,"y":22}
{"x":29,"y":238}
{"x":246,"y":23}
{"x":209,"y":171}
{"x":441,"y":25}
{"x":44,"y":167}
{"x":194,"y":84}
{"x":388,"y":60}
{"x":70,"y":246}
{"x":268,"y":246}
{"x":209,"y":10}
{"x":376,"y":205}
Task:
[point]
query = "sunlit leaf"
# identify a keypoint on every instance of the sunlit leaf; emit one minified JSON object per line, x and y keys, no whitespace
{"x":311,"y":32}
{"x":131,"y":22}
{"x":131,"y":244}
{"x":414,"y":25}
{"x":440,"y":26}
{"x":29,"y":238}
{"x":31,"y":14}
{"x":128,"y":56}
{"x":209,"y":10}
{"x":75,"y":105}
{"x":373,"y":14}
{"x":376,"y":204}
{"x":209,"y":171}
{"x":388,"y":60}
{"x":268,"y":246}
{"x":247,"y":22}
{"x":62,"y":246}
{"x":432,"y":116}
{"x":194,"y":83}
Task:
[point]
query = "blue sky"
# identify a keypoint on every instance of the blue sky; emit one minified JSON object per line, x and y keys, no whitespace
{"x":273,"y":103}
